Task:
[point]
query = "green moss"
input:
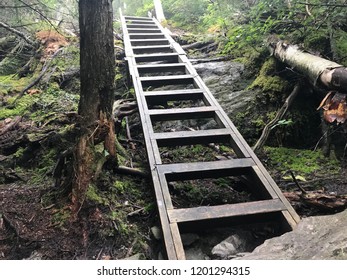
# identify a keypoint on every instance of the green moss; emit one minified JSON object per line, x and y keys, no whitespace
{"x":12,"y":84}
{"x":93,"y":194}
{"x":20,"y":108}
{"x":267,"y":81}
{"x":69,"y":59}
{"x":301,"y":161}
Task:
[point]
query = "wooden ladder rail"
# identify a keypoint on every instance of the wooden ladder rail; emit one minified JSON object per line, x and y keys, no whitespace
{"x":146,"y":42}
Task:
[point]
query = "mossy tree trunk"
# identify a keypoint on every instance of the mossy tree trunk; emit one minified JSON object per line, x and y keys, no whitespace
{"x":97,"y":93}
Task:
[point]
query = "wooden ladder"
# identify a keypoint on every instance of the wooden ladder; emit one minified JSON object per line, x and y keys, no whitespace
{"x":155,"y":60}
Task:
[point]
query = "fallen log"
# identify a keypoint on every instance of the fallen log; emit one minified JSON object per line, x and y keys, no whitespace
{"x":196,"y":45}
{"x":320,"y":71}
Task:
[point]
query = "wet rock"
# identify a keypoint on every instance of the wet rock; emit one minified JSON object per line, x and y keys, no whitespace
{"x":316,"y":238}
{"x":233,"y":245}
{"x":226,"y":83}
{"x":157,"y":233}
{"x":195,"y":254}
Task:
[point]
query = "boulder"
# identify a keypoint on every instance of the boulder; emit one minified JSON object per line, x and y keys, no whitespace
{"x":315,"y":238}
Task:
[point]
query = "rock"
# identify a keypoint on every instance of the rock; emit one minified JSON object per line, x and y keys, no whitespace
{"x":195,"y":254}
{"x":233,"y":245}
{"x":157,"y":233}
{"x":35,"y":255}
{"x":315,"y":238}
{"x":226,"y":83}
{"x":189,"y":238}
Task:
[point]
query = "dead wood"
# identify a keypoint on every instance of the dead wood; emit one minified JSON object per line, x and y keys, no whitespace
{"x":280,"y":114}
{"x":206,"y":60}
{"x":9,"y":124}
{"x":19,"y":34}
{"x":43,"y":72}
{"x":131,"y":171}
{"x":319,"y":71}
{"x":121,"y":109}
{"x":197,"y":45}
{"x":319,"y":199}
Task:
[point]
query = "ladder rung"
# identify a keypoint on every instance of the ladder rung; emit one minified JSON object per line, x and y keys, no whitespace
{"x":173,"y":92}
{"x":167,"y":57}
{"x":145,"y":31}
{"x":152,"y":49}
{"x":161,"y":68}
{"x":158,"y":97}
{"x":141,"y":25}
{"x":149,"y":42}
{"x":138,"y":18}
{"x":181,"y":138}
{"x":225,"y":211}
{"x":167,"y":80}
{"x":208,"y":169}
{"x":147,"y":36}
{"x":182,"y":113}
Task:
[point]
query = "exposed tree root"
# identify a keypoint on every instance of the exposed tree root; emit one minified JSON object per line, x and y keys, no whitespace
{"x":280,"y":114}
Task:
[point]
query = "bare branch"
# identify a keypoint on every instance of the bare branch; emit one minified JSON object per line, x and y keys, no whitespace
{"x":41,"y":14}
{"x":18,"y":33}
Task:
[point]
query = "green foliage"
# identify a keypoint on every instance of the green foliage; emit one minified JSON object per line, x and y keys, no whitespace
{"x":341,"y":46}
{"x":283,"y":123}
{"x":187,"y":14}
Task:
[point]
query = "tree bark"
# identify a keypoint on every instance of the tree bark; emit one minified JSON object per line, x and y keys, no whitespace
{"x":320,"y":71}
{"x":97,"y":73}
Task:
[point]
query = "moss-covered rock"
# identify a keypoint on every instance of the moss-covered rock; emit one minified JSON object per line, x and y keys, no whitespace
{"x":267,"y":80}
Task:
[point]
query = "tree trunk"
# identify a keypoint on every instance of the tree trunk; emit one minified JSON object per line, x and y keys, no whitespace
{"x":97,"y":93}
{"x":159,"y":11}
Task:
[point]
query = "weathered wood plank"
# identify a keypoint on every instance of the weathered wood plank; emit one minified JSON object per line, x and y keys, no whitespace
{"x":158,"y":98}
{"x":168,"y":57}
{"x":167,"y":80}
{"x":225,"y":211}
{"x":148,"y":42}
{"x":162,"y":68}
{"x":131,"y":18}
{"x":184,"y":113}
{"x":153,"y":49}
{"x":147,"y":36}
{"x":141,"y":30}
{"x":207,"y":169}
{"x":141,"y":25}
{"x":181,"y":138}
